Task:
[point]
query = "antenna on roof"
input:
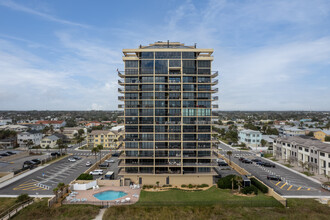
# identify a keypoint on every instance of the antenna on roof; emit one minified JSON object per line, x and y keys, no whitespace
{"x":168,"y":43}
{"x":140,"y":46}
{"x":195,"y":45}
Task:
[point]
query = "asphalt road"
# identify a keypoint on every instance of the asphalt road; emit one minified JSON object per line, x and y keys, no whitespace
{"x":292,"y":184}
{"x":43,"y":181}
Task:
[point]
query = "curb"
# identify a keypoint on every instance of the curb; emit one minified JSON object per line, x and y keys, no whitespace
{"x":34,"y":196}
{"x":227,"y":145}
{"x":306,"y":197}
{"x":297,"y":172}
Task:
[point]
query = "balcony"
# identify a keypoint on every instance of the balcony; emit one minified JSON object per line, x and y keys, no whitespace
{"x":215,"y":98}
{"x":121,"y":82}
{"x":214,"y":90}
{"x":120,"y":74}
{"x":121,"y":106}
{"x":122,"y":91}
{"x":215,"y":106}
{"x":214,"y":82}
{"x":121,"y":98}
{"x":214,"y":74}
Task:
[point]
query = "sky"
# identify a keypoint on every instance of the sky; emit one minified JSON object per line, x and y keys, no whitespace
{"x":63,"y":55}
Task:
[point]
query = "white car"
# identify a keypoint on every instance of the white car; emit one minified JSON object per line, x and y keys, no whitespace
{"x":109,"y":161}
{"x":88,"y":164}
{"x":96,"y":172}
{"x":72,"y":159}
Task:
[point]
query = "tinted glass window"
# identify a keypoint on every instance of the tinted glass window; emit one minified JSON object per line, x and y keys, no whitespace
{"x":131,"y":63}
{"x":168,"y":55}
{"x":161,"y":66}
{"x":147,"y":55}
{"x":188,"y":55}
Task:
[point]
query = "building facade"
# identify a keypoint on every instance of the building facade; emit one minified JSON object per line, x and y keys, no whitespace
{"x":304,"y":151}
{"x":320,"y":135}
{"x":250,"y":137}
{"x":105,"y":138}
{"x":49,"y":141}
{"x":167,"y":93}
{"x":24,"y":137}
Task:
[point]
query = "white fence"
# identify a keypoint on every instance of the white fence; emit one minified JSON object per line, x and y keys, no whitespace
{"x":84,"y":186}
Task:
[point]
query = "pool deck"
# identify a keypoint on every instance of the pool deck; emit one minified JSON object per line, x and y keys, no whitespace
{"x":89,"y":194}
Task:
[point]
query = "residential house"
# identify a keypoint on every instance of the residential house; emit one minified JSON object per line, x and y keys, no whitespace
{"x":5,"y":121}
{"x":24,"y":137}
{"x":17,"y":128}
{"x":250,"y":137}
{"x":50,"y":141}
{"x":320,"y":135}
{"x":8,"y":143}
{"x":55,"y":124}
{"x":102,"y":137}
{"x":70,"y":132}
{"x":293,"y":131}
{"x":304,"y":151}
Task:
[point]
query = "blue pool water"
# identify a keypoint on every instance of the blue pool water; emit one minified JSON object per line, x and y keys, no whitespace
{"x":109,"y":195}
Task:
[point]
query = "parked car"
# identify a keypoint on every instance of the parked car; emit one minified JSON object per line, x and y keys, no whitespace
{"x":54,"y":154}
{"x":269,"y":165}
{"x":260,"y":163}
{"x":241,"y":158}
{"x":103,"y":165}
{"x":236,"y":156}
{"x":96,"y":172}
{"x":273,"y":177}
{"x":5,"y":154}
{"x":76,"y":157}
{"x":109,"y":161}
{"x":70,"y":146}
{"x":222,"y":163}
{"x":29,"y":166}
{"x":247,"y":161}
{"x":10,"y":152}
{"x":88,"y":164}
{"x":71,"y":159}
{"x":256,"y":160}
{"x":115,"y":155}
{"x":37,"y":161}
{"x":30,"y":162}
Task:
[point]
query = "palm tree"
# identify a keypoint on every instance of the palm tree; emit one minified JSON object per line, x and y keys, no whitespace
{"x":239,"y":181}
{"x":100,"y":147}
{"x":229,"y":153}
{"x":59,"y":143}
{"x":29,"y":144}
{"x":94,"y":151}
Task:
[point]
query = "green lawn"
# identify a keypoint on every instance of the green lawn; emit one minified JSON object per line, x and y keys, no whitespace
{"x":302,"y":209}
{"x":40,"y":210}
{"x":208,"y":197}
{"x":6,"y":203}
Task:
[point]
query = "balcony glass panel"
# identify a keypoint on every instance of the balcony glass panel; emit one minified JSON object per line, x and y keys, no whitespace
{"x":173,"y":95}
{"x":147,"y":137}
{"x":204,"y":72}
{"x":204,"y":137}
{"x":146,"y":79}
{"x":174,"y":88}
{"x":131,"y":128}
{"x":174,"y":80}
{"x":161,"y":137}
{"x":160,"y":120}
{"x":131,"y":71}
{"x":160,"y":95}
{"x":204,"y":63}
{"x":189,"y":66}
{"x":146,"y":145}
{"x":174,"y":128}
{"x":174,"y":104}
{"x":174,"y":112}
{"x":131,"y":63}
{"x":147,"y":104}
{"x":187,"y":104}
{"x":160,"y":79}
{"x":204,"y":104}
{"x":161,"y":104}
{"x":161,"y":67}
{"x":204,"y":112}
{"x":189,"y":112}
{"x":189,"y":95}
{"x":175,"y":63}
{"x":146,"y":112}
{"x":168,"y":55}
{"x":204,"y":87}
{"x":204,"y":79}
{"x":189,"y":87}
{"x":131,"y":80}
{"x":160,"y":112}
{"x":161,"y":128}
{"x":147,"y":66}
{"x":204,"y":95}
{"x":146,"y":120}
{"x":146,"y":128}
{"x":147,"y":95}
{"x":131,"y":112}
{"x":131,"y":145}
{"x":159,"y":87}
{"x":147,"y":87}
{"x":147,"y":55}
{"x":189,"y":79}
{"x":189,"y":129}
{"x":188,"y":55}
{"x":189,"y":145}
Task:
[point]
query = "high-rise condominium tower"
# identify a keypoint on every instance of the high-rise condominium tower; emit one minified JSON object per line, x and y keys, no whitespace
{"x":167,"y":93}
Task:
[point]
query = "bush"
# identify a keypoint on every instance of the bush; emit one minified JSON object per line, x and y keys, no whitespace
{"x":202,"y":186}
{"x":22,"y":198}
{"x":147,"y":186}
{"x":259,"y":185}
{"x":167,"y":185}
{"x":226,"y":182}
{"x":183,"y":186}
{"x":249,"y":190}
{"x":85,"y":176}
{"x":190,"y":186}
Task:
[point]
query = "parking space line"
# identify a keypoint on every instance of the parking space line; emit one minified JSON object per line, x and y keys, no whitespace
{"x":299,"y":188}
{"x":289,"y":187}
{"x":278,"y":183}
{"x":308,"y":189}
{"x":283,"y":185}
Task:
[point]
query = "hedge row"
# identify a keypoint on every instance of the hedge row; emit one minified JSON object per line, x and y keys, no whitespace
{"x":85,"y":176}
{"x":249,"y":190}
{"x":259,"y":185}
{"x":226,"y":182}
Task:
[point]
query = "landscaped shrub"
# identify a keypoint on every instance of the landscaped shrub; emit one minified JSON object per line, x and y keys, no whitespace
{"x":226,"y":182}
{"x":259,"y":185}
{"x":167,"y":185}
{"x":183,"y":186}
{"x":202,"y":186}
{"x":22,"y":198}
{"x":85,"y":176}
{"x":190,"y":186}
{"x":249,"y":190}
{"x":147,"y":186}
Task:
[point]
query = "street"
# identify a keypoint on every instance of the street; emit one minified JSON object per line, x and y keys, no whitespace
{"x":292,"y":184}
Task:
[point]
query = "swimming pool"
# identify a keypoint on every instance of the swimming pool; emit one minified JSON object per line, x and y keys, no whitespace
{"x":110,"y":195}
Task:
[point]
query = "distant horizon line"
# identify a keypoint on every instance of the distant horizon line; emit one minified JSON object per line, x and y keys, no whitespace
{"x":212,"y":110}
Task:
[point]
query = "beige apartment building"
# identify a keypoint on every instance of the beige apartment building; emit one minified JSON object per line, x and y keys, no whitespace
{"x":102,"y":137}
{"x":167,"y":93}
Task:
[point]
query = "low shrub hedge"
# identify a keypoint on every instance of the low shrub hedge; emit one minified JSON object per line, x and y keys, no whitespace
{"x":259,"y":185}
{"x":249,"y":190}
{"x":147,"y":186}
{"x":85,"y":176}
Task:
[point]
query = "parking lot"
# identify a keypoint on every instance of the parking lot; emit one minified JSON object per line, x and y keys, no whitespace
{"x":291,"y":184}
{"x":43,"y":181}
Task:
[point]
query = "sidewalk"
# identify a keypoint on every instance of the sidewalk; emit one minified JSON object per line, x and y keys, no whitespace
{"x":100,"y":215}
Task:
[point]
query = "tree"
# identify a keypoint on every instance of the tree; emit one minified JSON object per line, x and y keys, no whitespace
{"x":60,"y":144}
{"x":61,"y":129}
{"x":81,"y":132}
{"x":263,"y":142}
{"x":327,"y":138}
{"x":100,"y":147}
{"x":310,"y":134}
{"x":229,"y":153}
{"x":239,"y":181}
{"x":94,"y":151}
{"x":29,"y":144}
{"x":291,"y":160}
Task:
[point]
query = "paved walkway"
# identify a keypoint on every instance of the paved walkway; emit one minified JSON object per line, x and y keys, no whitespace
{"x":100,"y":215}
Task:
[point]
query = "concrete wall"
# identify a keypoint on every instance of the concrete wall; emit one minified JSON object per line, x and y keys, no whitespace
{"x":173,"y":180}
{"x":85,"y":186}
{"x":6,"y":176}
{"x":108,"y":182}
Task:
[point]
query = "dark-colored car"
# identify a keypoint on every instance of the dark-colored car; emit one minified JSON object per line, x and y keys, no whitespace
{"x":273,"y":177}
{"x":241,"y":158}
{"x":37,"y":161}
{"x":5,"y":154}
{"x":260,"y":163}
{"x":115,"y":155}
{"x":29,"y":162}
{"x":256,"y":160}
{"x":247,"y":161}
{"x":222,"y":163}
{"x":76,"y":157}
{"x":29,"y":166}
{"x":54,"y":154}
{"x":10,"y":152}
{"x":268,"y":165}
